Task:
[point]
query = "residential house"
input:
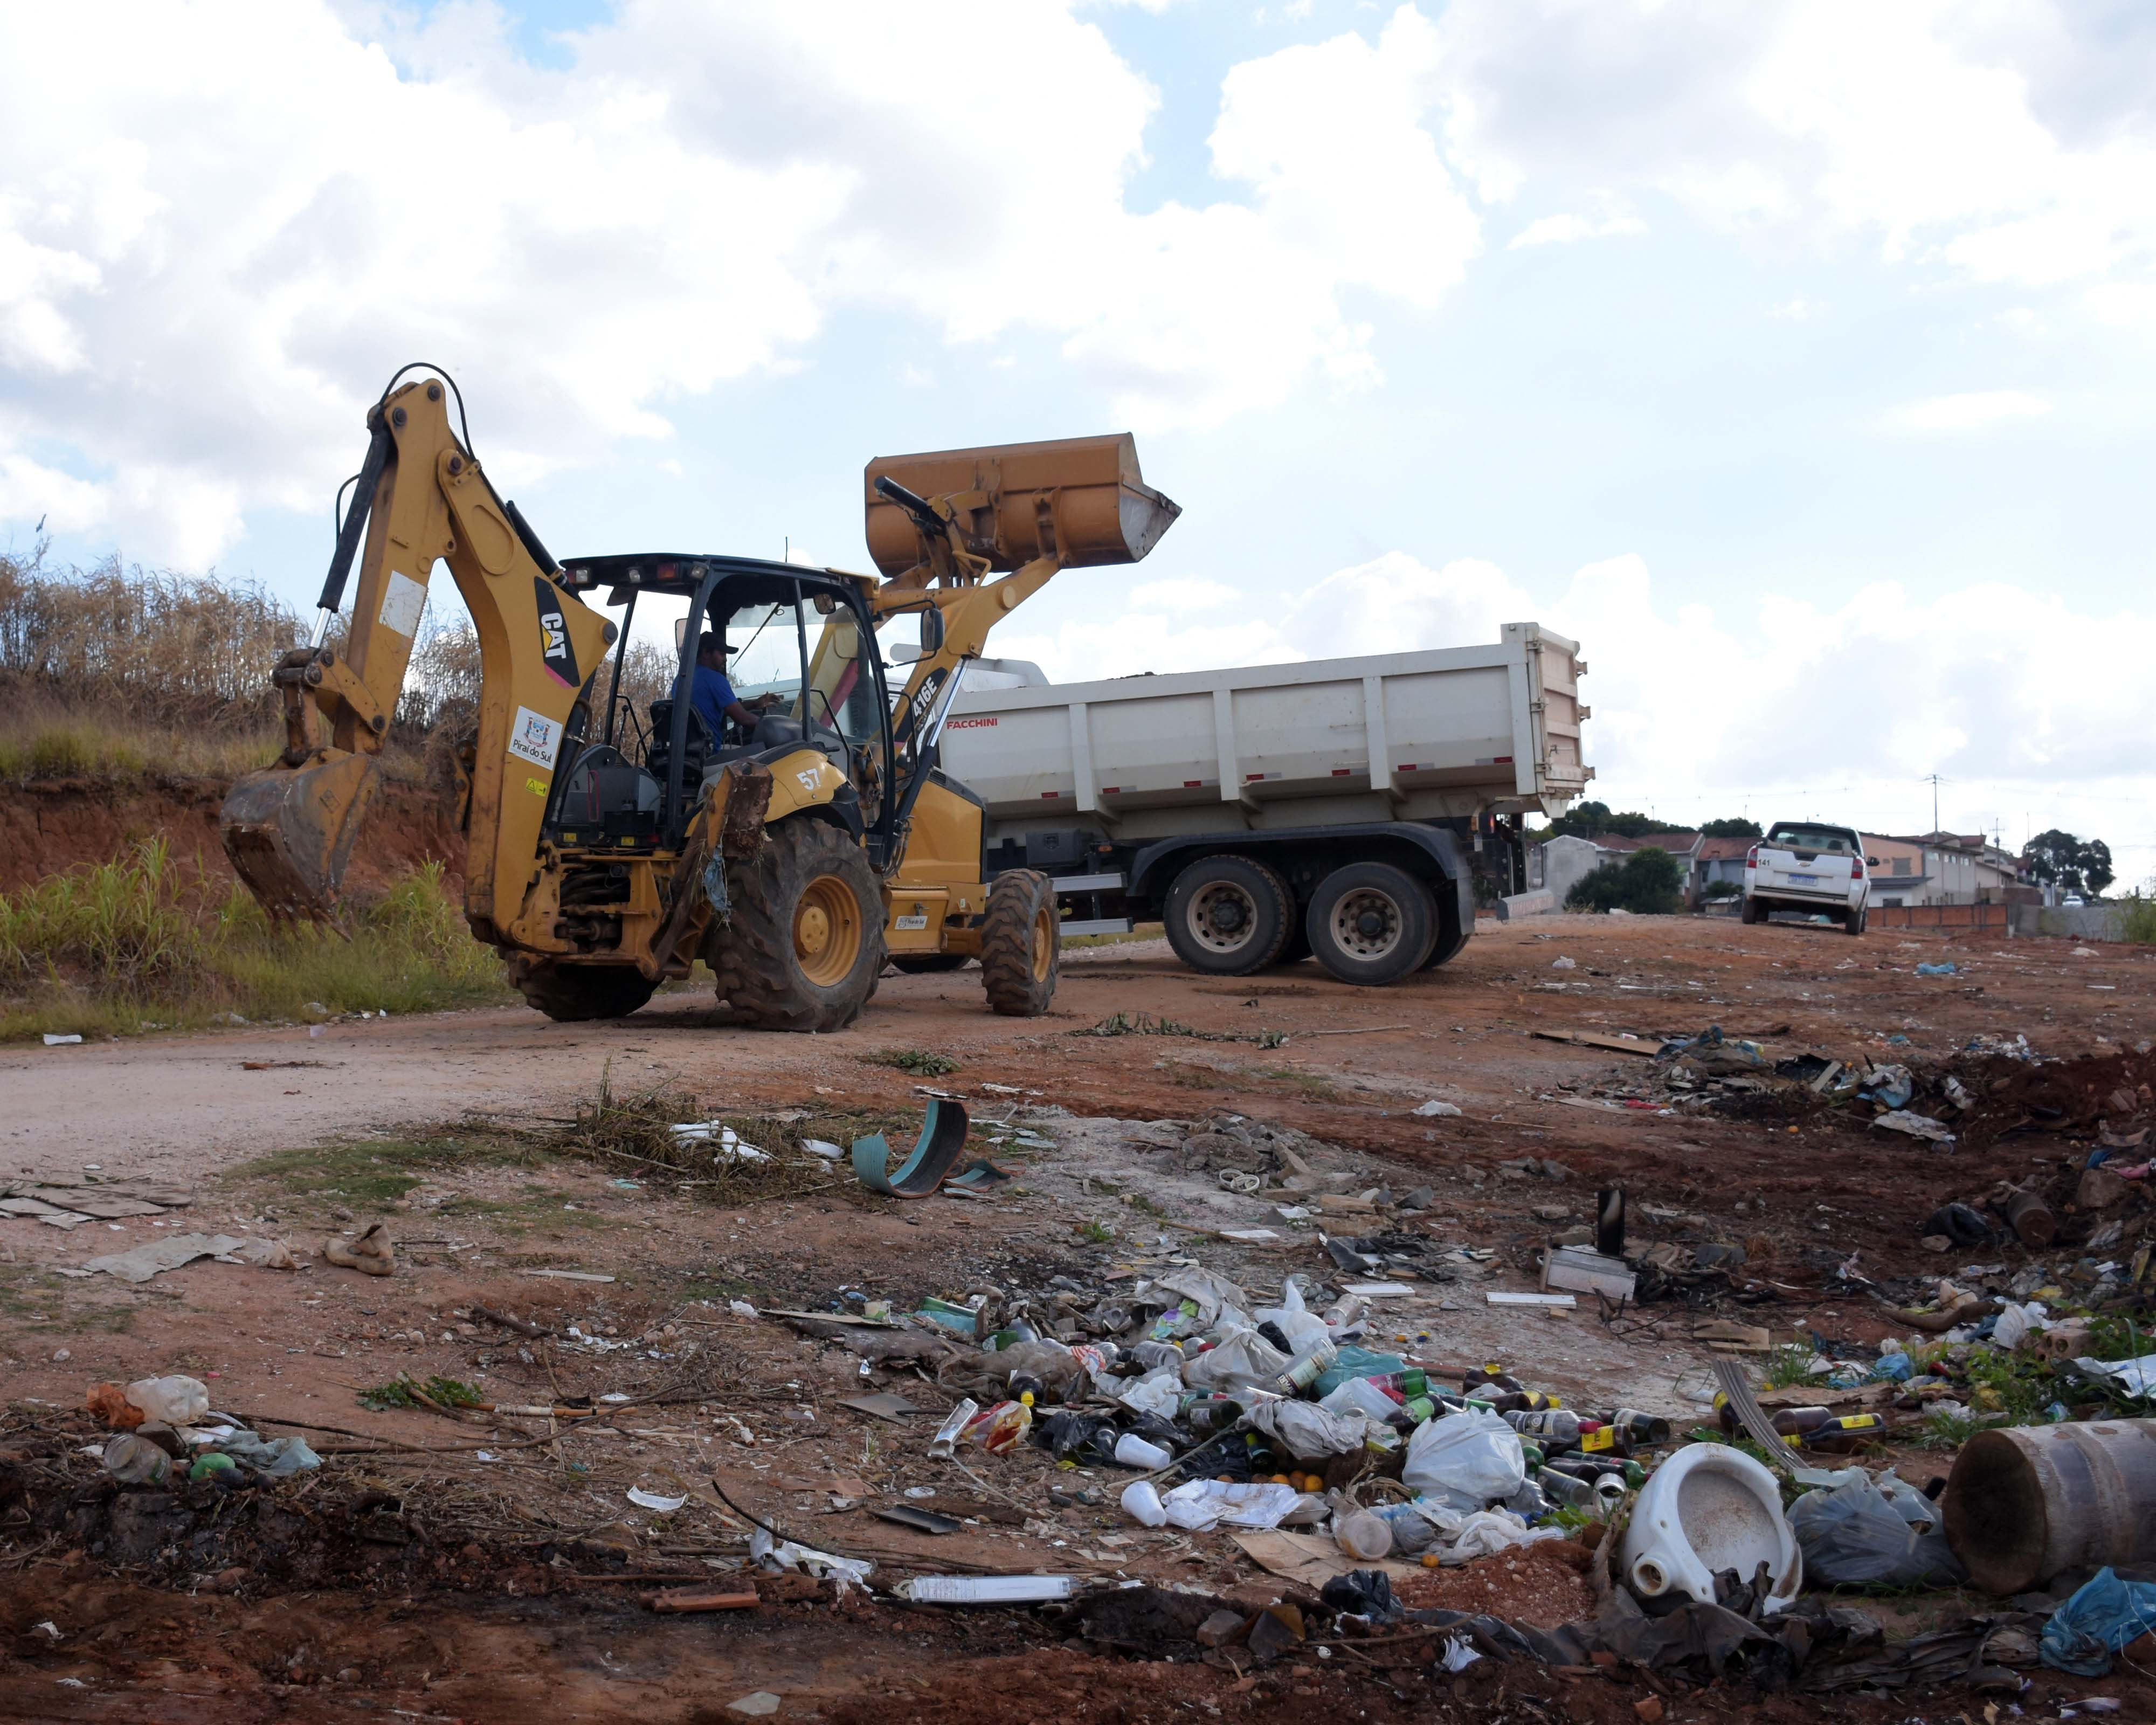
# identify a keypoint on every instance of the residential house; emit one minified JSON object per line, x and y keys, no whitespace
{"x":1718,"y":859}
{"x":1559,"y":865}
{"x":1941,"y":868}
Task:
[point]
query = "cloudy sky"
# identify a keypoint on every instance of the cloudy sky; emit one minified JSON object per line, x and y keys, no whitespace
{"x":1797,"y":358}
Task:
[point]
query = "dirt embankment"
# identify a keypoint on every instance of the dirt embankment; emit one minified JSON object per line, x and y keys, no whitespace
{"x":49,"y":826}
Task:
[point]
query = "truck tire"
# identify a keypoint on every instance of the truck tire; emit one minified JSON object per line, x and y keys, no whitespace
{"x":1297,"y":948}
{"x":1021,"y":944}
{"x":1452,"y":933}
{"x":1228,"y":916}
{"x":1750,"y":913}
{"x":1853,"y":921}
{"x":803,"y":947}
{"x":570,"y":994}
{"x":929,"y":963}
{"x":1371,"y":923}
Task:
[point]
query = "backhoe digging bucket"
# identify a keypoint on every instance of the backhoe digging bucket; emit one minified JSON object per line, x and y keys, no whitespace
{"x":289,"y":830}
{"x":1079,"y":496}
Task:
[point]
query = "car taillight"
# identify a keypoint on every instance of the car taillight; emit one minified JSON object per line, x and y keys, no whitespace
{"x":1856,"y":868}
{"x":1752,"y":858}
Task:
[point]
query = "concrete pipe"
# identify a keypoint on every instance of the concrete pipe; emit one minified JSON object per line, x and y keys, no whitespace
{"x":2025,"y":1503}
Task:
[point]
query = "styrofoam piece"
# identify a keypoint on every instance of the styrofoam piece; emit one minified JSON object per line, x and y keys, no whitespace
{"x":1709,"y":1507}
{"x":984,"y":1589}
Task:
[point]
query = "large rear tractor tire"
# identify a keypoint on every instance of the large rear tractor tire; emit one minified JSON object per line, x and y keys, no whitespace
{"x":1228,"y":916}
{"x":1370,"y":924}
{"x":570,"y":993}
{"x":803,"y":948}
{"x":1021,"y":944}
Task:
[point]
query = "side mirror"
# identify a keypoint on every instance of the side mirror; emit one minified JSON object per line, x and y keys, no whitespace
{"x":1871,"y":862}
{"x":680,"y":633}
{"x":931,"y":631}
{"x":903,"y":653}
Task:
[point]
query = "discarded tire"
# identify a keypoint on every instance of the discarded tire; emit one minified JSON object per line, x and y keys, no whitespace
{"x":2026,"y":1502}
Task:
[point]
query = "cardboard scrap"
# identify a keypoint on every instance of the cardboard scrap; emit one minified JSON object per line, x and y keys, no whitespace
{"x":140,"y":1263}
{"x":1310,"y":1558}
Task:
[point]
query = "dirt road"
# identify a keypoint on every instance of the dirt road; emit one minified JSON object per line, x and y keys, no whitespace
{"x":301,"y":1136}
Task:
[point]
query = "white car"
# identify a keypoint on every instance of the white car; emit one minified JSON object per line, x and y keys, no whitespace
{"x":1803,"y":865}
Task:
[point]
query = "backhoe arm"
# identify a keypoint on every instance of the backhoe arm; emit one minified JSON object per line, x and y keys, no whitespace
{"x":290,"y":828}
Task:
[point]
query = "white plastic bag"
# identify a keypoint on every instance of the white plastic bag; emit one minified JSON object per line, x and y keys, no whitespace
{"x":1206,"y":1503}
{"x":1360,"y":1395}
{"x":1304,"y":1328}
{"x":1156,"y":1393}
{"x":1468,"y":1460}
{"x":1486,"y":1534}
{"x":1237,"y":1363}
{"x":170,"y":1401}
{"x":1307,"y":1432}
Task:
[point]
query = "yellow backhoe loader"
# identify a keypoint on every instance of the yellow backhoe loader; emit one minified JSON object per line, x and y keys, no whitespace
{"x":606,"y":849}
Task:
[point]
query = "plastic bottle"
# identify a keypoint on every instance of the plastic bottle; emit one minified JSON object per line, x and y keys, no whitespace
{"x":1411,"y":1529}
{"x":1142,"y":1503}
{"x":1306,"y":1369}
{"x":1403,"y":1386}
{"x":1523,"y":1401}
{"x":135,"y":1461}
{"x":1592,"y":1495}
{"x":1490,"y":1376}
{"x":1134,"y":1451}
{"x":1153,"y":1355}
{"x":1590,"y":1468}
{"x":1362,"y":1535}
{"x":170,"y":1401}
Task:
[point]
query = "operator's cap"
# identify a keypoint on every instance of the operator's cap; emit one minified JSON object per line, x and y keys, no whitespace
{"x":711,"y":641}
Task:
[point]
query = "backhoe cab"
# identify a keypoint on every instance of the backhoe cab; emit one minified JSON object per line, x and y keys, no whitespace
{"x":606,"y":847}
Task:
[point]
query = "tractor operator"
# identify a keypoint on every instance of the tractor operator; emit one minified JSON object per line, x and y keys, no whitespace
{"x":712,"y":697}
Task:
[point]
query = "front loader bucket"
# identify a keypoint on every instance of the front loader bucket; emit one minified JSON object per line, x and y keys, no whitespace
{"x":289,"y":830}
{"x":1079,"y":496}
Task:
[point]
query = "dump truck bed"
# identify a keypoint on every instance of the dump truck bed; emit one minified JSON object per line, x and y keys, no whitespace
{"x":1396,"y":736}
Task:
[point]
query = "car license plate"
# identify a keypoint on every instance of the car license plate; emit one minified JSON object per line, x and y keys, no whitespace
{"x":1806,"y":879}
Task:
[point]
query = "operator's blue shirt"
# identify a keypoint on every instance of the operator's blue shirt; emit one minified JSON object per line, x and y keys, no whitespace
{"x":709,"y":695}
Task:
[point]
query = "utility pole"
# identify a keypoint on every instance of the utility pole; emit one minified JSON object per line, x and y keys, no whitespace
{"x":1935,"y":781}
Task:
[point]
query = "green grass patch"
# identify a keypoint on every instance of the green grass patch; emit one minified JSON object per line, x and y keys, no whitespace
{"x":376,"y":1170}
{"x":147,"y":941}
{"x":1139,"y":1023}
{"x":918,"y":1061}
{"x":1789,"y":1364}
{"x":405,"y":1391}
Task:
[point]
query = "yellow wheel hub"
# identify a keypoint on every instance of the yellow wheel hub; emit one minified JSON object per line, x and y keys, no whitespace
{"x":827,"y":932}
{"x":1044,"y":942}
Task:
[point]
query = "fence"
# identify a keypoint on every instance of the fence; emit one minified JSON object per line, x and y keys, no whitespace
{"x":1971,"y":918}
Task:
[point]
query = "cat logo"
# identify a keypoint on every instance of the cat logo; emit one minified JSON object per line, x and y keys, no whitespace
{"x":555,"y":652}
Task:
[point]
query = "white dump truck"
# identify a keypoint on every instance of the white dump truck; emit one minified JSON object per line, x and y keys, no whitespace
{"x":1270,"y":813}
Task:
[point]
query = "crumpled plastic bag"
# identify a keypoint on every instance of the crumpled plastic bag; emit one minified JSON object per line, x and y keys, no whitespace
{"x":1203,"y":1504}
{"x":1352,"y":1362}
{"x":1855,"y":1536}
{"x":1488,"y":1532}
{"x":1304,"y":1328}
{"x":781,"y":1554}
{"x":1208,"y":1293}
{"x":1360,"y":1395}
{"x":1158,"y":1393}
{"x":1469,"y":1459}
{"x":273,"y":1458}
{"x":1243,"y":1359}
{"x":2101,"y":1617}
{"x":1305,"y":1432}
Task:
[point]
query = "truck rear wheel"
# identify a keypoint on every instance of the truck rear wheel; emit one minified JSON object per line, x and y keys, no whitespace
{"x":1228,"y":916}
{"x":1021,"y":944}
{"x":803,"y":947}
{"x":570,"y":994}
{"x":1370,"y":924}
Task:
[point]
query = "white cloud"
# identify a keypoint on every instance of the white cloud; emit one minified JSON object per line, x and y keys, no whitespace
{"x":1972,"y":409}
{"x":1567,"y":228}
{"x":1180,"y":593}
{"x":216,"y":242}
{"x":1698,"y":708}
{"x":2006,"y":142}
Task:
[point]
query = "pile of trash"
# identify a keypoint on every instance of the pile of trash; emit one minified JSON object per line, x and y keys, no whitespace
{"x":163,"y":1432}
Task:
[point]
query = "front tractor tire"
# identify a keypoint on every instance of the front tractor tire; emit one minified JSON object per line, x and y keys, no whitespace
{"x":1021,"y":944}
{"x":570,"y":993}
{"x":804,"y":946}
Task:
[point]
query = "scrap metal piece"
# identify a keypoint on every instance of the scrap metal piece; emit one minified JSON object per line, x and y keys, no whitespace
{"x":1730,"y":1376}
{"x":927,"y":1166}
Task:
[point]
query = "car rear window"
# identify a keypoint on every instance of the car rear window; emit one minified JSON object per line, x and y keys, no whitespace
{"x":1813,"y":838}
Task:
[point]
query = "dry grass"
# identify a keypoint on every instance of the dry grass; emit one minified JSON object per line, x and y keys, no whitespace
{"x":634,"y":1135}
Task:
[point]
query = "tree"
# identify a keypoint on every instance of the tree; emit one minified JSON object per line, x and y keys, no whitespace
{"x":1648,"y":883}
{"x":1737,"y":827}
{"x":1586,"y":819}
{"x":2072,"y":865}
